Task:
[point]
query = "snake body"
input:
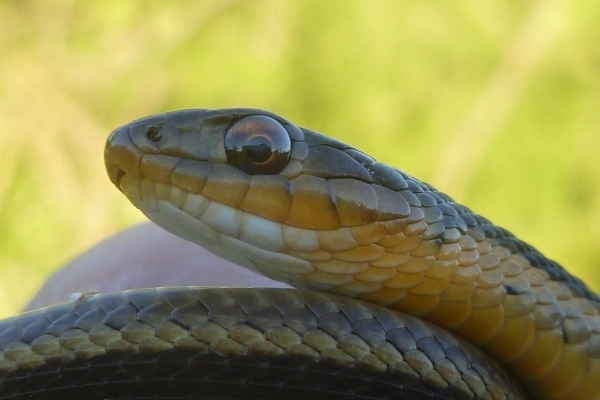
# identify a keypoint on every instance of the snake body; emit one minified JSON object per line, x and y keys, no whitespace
{"x":311,"y":211}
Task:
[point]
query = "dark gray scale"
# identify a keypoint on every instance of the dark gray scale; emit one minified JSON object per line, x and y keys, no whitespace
{"x":361,"y":157}
{"x":314,"y":139}
{"x":471,"y":220}
{"x":410,"y":197}
{"x":387,"y":176}
{"x":439,"y":197}
{"x":413,"y":186}
{"x":327,"y":162}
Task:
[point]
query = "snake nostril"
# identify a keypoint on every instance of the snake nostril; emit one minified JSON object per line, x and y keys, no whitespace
{"x":154,"y":134}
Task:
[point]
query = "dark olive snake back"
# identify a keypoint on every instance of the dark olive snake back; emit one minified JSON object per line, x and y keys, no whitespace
{"x":232,"y":343}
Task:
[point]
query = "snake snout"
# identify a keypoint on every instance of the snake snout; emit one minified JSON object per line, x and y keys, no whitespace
{"x":121,"y":156}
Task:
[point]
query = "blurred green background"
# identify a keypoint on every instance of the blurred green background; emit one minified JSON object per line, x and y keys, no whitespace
{"x":495,"y":102}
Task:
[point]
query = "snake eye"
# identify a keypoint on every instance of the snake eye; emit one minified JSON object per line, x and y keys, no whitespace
{"x":258,"y":145}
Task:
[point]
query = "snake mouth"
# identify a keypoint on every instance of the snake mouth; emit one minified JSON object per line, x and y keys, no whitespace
{"x":121,"y":156}
{"x":115,"y":175}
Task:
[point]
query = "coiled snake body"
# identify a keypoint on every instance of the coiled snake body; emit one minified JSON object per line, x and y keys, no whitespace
{"x":308,"y":210}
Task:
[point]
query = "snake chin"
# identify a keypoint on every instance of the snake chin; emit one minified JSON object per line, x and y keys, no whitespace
{"x":194,"y":229}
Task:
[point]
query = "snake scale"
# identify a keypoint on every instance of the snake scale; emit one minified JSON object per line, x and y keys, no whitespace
{"x":403,"y":293}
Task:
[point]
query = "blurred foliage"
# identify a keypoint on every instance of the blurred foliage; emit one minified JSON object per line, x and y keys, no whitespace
{"x":493,"y":102}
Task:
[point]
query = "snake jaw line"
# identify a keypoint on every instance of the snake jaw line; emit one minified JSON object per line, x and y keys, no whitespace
{"x":206,"y":229}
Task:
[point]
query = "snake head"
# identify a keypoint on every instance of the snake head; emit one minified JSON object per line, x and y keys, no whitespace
{"x":186,"y":148}
{"x":202,"y":174}
{"x":260,"y":191}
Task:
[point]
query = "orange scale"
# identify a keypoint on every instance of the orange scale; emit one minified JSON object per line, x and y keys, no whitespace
{"x":403,"y":280}
{"x":415,"y":304}
{"x":448,"y":251}
{"x":390,"y":240}
{"x":427,"y":248}
{"x":355,"y":201}
{"x":519,"y":304}
{"x":587,"y":387}
{"x":488,"y":261}
{"x":458,"y":292}
{"x":576,"y":330}
{"x":391,"y":260}
{"x":312,"y":204}
{"x":408,"y":243}
{"x":542,"y":356}
{"x":450,"y":314}
{"x":375,"y":274}
{"x":384,"y":296}
{"x":336,"y":240}
{"x":310,"y":255}
{"x":417,"y":264}
{"x":442,"y":269}
{"x":466,"y":274}
{"x":268,"y":196}
{"x":490,"y":279}
{"x":516,"y":335}
{"x":158,"y":167}
{"x":429,"y":286}
{"x":191,"y":175}
{"x":341,"y":267}
{"x":416,"y":228}
{"x":484,"y":298}
{"x":510,"y":268}
{"x":482,"y":324}
{"x":396,"y":226}
{"x":299,"y":239}
{"x":362,"y":287}
{"x":361,"y":253}
{"x":370,"y":233}
{"x":226,"y":185}
{"x":467,"y":258}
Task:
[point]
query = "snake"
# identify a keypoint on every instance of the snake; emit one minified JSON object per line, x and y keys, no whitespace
{"x":401,"y":293}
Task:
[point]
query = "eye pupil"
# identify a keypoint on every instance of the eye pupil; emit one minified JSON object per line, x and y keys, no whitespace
{"x":259,"y":153}
{"x":154,"y":134}
{"x":258,"y":145}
